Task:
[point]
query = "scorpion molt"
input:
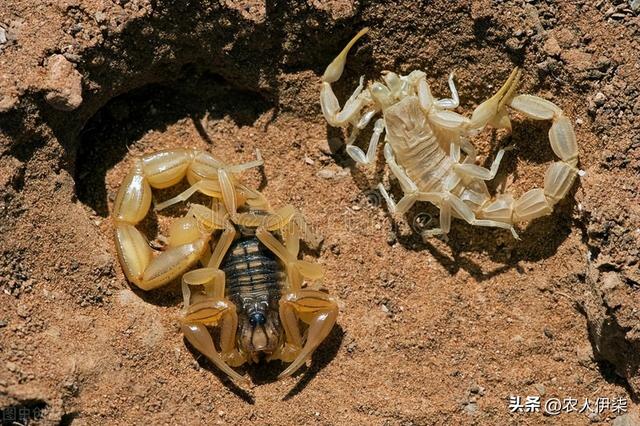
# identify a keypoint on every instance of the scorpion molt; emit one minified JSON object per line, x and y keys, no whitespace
{"x":427,"y":145}
{"x":250,"y":284}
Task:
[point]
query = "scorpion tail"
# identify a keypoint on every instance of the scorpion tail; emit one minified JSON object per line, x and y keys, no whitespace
{"x":335,"y":68}
{"x":493,"y":111}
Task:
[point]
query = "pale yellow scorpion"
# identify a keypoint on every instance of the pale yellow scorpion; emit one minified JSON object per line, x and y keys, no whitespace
{"x":424,"y":140}
{"x":250,"y":284}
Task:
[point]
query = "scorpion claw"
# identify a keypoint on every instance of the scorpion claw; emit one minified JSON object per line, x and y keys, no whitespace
{"x":314,"y":308}
{"x":213,"y":311}
{"x":200,"y":338}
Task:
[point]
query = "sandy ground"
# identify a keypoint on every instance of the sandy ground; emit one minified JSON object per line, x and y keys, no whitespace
{"x":430,"y":331}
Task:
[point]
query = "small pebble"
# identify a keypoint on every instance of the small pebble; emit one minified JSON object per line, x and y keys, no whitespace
{"x":3,"y":323}
{"x":599,"y":99}
{"x":100,"y":17}
{"x":513,"y":44}
{"x":22,"y":311}
{"x":332,"y":174}
{"x":64,"y":83}
{"x":551,"y":47}
{"x":540,"y":389}
{"x":548,"y":332}
{"x":471,"y":408}
{"x":75,"y":29}
{"x":3,"y":36}
{"x":391,"y":238}
{"x":7,"y":102}
{"x":72,"y":57}
{"x":594,"y":417}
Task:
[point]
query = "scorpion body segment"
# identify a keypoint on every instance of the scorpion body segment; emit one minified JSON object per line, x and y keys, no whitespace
{"x":254,"y":282}
{"x":427,"y":146}
{"x":250,"y":280}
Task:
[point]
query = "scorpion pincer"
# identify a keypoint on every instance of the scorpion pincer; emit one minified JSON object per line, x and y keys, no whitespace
{"x":428,"y":149}
{"x":250,"y":284}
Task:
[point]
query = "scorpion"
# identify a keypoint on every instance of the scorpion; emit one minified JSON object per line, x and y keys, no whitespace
{"x":250,"y":285}
{"x":426,"y":141}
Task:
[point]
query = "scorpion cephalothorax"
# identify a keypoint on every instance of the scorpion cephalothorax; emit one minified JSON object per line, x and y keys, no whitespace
{"x":428,"y":148}
{"x":250,"y":285}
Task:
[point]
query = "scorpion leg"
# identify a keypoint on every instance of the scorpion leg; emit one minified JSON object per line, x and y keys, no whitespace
{"x":454,"y":102}
{"x":296,"y":269}
{"x":475,"y":171}
{"x":414,"y":195}
{"x":223,"y":244}
{"x":288,"y":220}
{"x":425,"y":97}
{"x":447,"y":204}
{"x":358,"y":155}
{"x":293,"y":227}
{"x":208,"y":187}
{"x":238,"y":168}
{"x":252,"y":198}
{"x":446,"y":119}
{"x":210,"y":308}
{"x":212,"y":178}
{"x":409,"y":187}
{"x":214,"y":219}
{"x":461,"y":209}
{"x":222,"y":189}
{"x":328,"y":101}
{"x":448,"y":125}
{"x":315,"y":308}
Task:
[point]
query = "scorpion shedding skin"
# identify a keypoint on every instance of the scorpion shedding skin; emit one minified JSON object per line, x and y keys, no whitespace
{"x":427,"y":146}
{"x":250,"y":283}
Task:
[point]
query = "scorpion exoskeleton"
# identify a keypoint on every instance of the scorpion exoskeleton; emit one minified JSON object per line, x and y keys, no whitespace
{"x":251,"y":282}
{"x":424,"y":140}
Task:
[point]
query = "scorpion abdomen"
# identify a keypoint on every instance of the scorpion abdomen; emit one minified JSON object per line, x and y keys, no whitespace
{"x":253,"y":278}
{"x":428,"y":165}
